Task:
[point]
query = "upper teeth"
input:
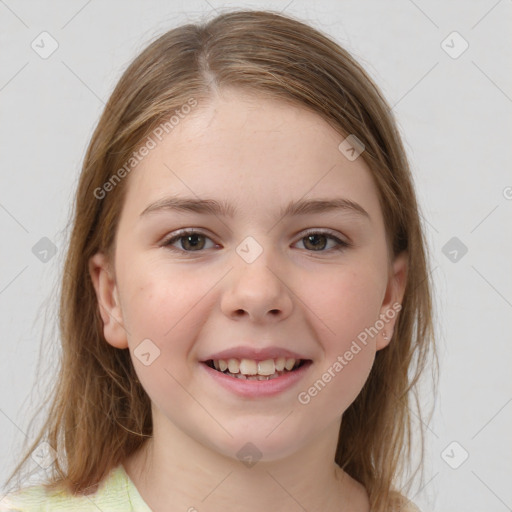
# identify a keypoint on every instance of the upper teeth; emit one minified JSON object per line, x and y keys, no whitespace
{"x":252,"y":367}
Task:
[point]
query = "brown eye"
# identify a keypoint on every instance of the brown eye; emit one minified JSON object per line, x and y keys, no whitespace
{"x":188,"y":241}
{"x":192,"y":242}
{"x":317,"y":241}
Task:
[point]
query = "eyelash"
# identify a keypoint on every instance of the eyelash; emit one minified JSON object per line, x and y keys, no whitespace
{"x":342,"y":245}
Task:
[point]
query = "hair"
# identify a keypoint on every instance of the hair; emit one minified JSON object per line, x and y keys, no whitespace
{"x":99,"y":413}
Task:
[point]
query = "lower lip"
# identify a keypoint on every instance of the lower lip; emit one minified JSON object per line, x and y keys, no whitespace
{"x":258,"y":388}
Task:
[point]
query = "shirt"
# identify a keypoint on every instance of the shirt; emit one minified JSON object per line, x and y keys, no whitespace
{"x":116,"y":493}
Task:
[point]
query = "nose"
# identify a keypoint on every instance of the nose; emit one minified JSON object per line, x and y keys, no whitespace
{"x":258,"y":291}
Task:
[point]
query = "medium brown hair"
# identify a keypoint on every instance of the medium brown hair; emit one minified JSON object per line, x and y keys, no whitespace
{"x":99,"y":413}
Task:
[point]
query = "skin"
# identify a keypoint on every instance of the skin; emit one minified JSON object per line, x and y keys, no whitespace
{"x":257,"y":154}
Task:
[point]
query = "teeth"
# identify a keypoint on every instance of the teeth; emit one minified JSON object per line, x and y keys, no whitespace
{"x":255,"y":370}
{"x":266,"y":367}
{"x":233,"y":365}
{"x":248,"y":367}
{"x":254,"y":377}
{"x":290,"y":363}
{"x":280,"y":362}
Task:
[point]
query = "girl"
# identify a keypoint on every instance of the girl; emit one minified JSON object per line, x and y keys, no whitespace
{"x":245,"y":303}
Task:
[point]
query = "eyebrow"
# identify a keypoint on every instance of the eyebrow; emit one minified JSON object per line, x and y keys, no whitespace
{"x":221,"y":208}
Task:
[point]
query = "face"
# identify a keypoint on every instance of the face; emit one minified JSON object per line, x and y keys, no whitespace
{"x":258,"y":284}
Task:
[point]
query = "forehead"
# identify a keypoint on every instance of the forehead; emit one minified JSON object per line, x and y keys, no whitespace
{"x":250,"y":151}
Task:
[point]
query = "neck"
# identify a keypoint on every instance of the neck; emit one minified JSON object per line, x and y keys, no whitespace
{"x":172,"y":468}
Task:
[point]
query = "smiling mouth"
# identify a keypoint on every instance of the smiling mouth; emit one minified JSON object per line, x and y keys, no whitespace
{"x":247,"y":369}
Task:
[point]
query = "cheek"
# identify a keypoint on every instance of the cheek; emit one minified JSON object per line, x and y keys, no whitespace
{"x":148,"y":310}
{"x":344,"y":305}
{"x":158,"y":302}
{"x":341,"y":302}
{"x":163,"y":310}
{"x":337,"y":383}
{"x":161,"y":335}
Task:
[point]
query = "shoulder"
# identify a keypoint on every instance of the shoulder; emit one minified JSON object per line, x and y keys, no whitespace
{"x":401,"y":504}
{"x":34,"y":498}
{"x":28,"y":499}
{"x":408,"y":507}
{"x":113,"y":495}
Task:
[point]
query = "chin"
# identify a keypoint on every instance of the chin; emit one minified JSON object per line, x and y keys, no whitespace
{"x":266,"y":442}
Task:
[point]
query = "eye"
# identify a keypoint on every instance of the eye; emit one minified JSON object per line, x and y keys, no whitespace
{"x":195,"y":241}
{"x":189,"y":241}
{"x":316,"y":241}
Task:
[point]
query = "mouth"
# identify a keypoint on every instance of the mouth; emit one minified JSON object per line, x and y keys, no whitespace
{"x":253,"y":370}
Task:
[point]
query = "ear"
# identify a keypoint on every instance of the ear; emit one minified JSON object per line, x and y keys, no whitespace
{"x":393,"y":299}
{"x":108,"y":300}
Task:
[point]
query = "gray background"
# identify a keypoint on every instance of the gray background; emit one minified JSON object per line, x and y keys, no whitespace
{"x":455,"y":117}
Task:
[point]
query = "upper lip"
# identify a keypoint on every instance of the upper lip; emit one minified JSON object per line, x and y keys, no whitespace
{"x":257,"y":354}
